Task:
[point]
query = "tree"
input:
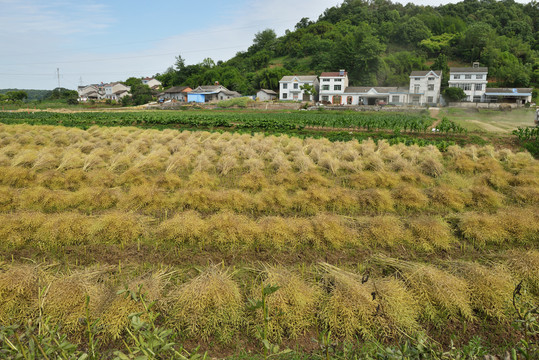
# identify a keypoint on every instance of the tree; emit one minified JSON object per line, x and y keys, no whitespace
{"x":441,"y":64}
{"x":18,"y":95}
{"x":475,"y":40}
{"x":308,"y":89}
{"x":413,"y":31}
{"x":303,"y":23}
{"x":454,"y":94}
{"x":140,"y":93}
{"x":263,"y":40}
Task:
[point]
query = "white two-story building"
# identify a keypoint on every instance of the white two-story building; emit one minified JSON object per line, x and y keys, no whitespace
{"x":473,"y":80}
{"x":116,"y":90}
{"x":290,"y":87}
{"x":332,"y":87}
{"x":152,"y":83}
{"x":425,"y":87}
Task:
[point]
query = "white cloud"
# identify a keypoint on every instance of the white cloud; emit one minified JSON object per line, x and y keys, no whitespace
{"x":52,"y":17}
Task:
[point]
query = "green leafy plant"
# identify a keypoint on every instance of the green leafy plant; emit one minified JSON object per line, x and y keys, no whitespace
{"x":270,"y":349}
{"x":150,"y":341}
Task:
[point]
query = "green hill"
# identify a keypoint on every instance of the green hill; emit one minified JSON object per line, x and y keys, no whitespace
{"x":379,"y":43}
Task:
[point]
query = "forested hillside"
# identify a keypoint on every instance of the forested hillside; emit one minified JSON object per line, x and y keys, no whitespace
{"x":379,"y":43}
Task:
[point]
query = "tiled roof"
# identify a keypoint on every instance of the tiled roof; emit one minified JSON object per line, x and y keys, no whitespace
{"x":270,"y":92}
{"x":364,"y":90}
{"x":306,"y":78}
{"x":468,"y":69}
{"x":509,"y":91}
{"x":333,"y":74}
{"x":177,"y":89}
{"x":425,"y":72}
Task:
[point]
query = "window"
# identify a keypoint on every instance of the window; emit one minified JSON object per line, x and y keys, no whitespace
{"x":431,"y":78}
{"x":417,"y":79}
{"x":325,"y":87}
{"x":395,"y":98}
{"x":431,"y":87}
{"x":430,"y":99}
{"x":456,"y":77}
{"x":338,"y":80}
{"x":416,"y":89}
{"x":465,"y":86}
{"x":478,"y":87}
{"x":285,"y":86}
{"x":337,"y":87}
{"x":296,"y":86}
{"x":477,"y":99}
{"x":325,"y":80}
{"x":468,"y":76}
{"x":285,"y":96}
{"x":479,"y":77}
{"x":325,"y":98}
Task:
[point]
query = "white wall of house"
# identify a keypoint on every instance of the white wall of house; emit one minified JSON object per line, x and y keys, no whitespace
{"x":264,"y":96}
{"x":425,"y":88}
{"x":290,"y":87}
{"x":332,"y":87}
{"x":151,"y":82}
{"x":472,"y":80}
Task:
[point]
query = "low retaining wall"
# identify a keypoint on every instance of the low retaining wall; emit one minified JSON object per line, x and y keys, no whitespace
{"x":472,"y":105}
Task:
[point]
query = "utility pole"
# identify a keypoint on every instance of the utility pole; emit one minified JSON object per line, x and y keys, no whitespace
{"x":58,"y":74}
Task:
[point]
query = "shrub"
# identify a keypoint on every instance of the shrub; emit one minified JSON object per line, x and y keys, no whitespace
{"x":491,"y":288}
{"x":430,"y":233}
{"x":525,"y":265}
{"x":484,"y":197}
{"x":117,"y":228}
{"x":332,"y":232}
{"x":409,"y":198}
{"x":16,"y":230}
{"x":293,"y":308}
{"x":228,"y":230}
{"x":209,"y":305}
{"x":117,"y":310}
{"x":184,"y":228}
{"x":384,"y":230}
{"x":375,"y":200}
{"x":444,"y":196}
{"x":398,"y":312}
{"x":19,"y":293}
{"x":65,"y":301}
{"x":348,"y":308}
{"x":440,"y":294}
{"x":62,"y":230}
{"x":482,"y":229}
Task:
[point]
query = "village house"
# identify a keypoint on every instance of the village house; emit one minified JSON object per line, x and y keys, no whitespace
{"x":211,"y":93}
{"x":152,"y":83}
{"x":91,"y":92}
{"x":473,"y":80}
{"x":115,"y":91}
{"x":425,"y":87}
{"x":290,"y":87}
{"x":266,"y":95}
{"x":518,"y":96}
{"x":378,"y":95}
{"x":178,"y":93}
{"x":333,"y":86}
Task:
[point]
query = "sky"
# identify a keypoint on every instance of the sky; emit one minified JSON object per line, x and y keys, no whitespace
{"x":44,"y":43}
